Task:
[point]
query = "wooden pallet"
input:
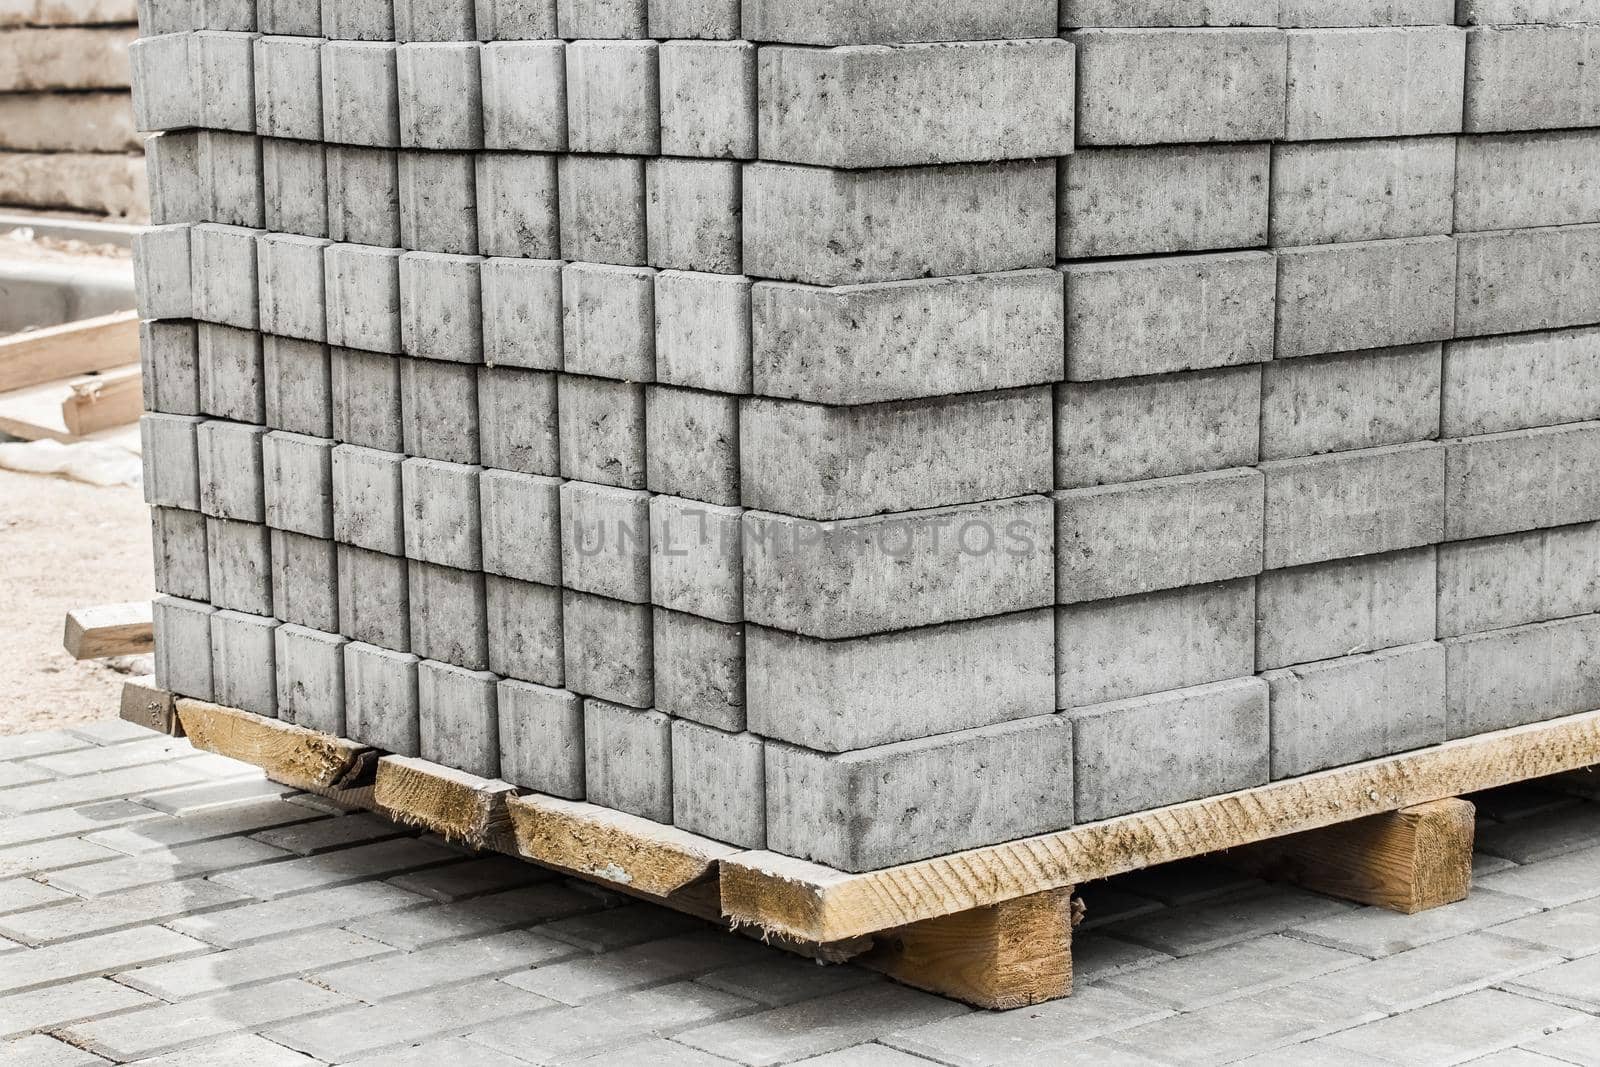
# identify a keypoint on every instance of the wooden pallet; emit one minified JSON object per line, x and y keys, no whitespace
{"x":991,"y":926}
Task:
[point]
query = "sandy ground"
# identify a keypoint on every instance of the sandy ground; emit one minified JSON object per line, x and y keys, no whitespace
{"x":63,"y":545}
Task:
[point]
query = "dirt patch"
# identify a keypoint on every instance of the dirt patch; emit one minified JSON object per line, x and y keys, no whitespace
{"x":63,"y":545}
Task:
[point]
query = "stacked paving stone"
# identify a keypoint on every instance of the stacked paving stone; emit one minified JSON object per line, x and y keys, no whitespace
{"x":867,"y":430}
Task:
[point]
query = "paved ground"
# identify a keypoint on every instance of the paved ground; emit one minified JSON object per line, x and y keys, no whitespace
{"x":163,"y":906}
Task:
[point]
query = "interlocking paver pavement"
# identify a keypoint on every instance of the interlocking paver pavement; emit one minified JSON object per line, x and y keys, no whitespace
{"x":173,"y":909}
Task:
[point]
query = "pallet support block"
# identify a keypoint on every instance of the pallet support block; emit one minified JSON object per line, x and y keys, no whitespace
{"x":109,"y":630}
{"x":458,"y":806}
{"x":290,"y":755}
{"x":147,"y":705}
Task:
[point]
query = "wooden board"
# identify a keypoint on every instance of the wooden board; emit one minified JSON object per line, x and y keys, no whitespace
{"x":103,"y":401}
{"x":289,"y":754}
{"x":458,"y":806}
{"x":39,"y":413}
{"x":109,"y":630}
{"x":145,"y":704}
{"x":40,"y":356}
{"x":816,"y":903}
{"x":612,"y":846}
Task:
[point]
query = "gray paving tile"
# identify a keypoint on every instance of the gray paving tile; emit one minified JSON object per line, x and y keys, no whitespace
{"x":442,"y":965}
{"x":109,"y":732}
{"x":1214,"y":923}
{"x":780,"y":978}
{"x":321,"y":908}
{"x":42,"y":743}
{"x":614,"y":928}
{"x":1575,"y":984}
{"x":511,"y":910}
{"x":1096,"y":956}
{"x":1379,"y":932}
{"x":39,"y":1050}
{"x":69,"y":822}
{"x":69,"y":1002}
{"x":443,"y":1052}
{"x":657,"y":1052}
{"x":52,"y":855}
{"x":1572,"y":929}
{"x":168,"y":831}
{"x":91,"y":956}
{"x":240,"y":1050}
{"x":476,"y":878}
{"x":1555,"y":833}
{"x":1483,"y":864}
{"x":1457,"y":1030}
{"x":1520,"y":801}
{"x":1516,"y":1057}
{"x":149,"y":904}
{"x":22,"y":772}
{"x":113,"y":785}
{"x":152,"y":748}
{"x":17,"y":894}
{"x":579,"y":981}
{"x":295,"y":956}
{"x":609,"y":1023}
{"x":336,"y":868}
{"x":1186,"y":882}
{"x":1579,"y":1044}
{"x":1553,"y":882}
{"x":192,"y":798}
{"x":1242,"y":969}
{"x":325,"y":835}
{"x":168,"y":865}
{"x":1109,"y":902}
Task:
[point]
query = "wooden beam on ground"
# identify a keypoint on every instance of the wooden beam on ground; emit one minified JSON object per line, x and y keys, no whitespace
{"x":613,"y":846}
{"x":458,"y":806}
{"x":1408,"y":861}
{"x":1000,"y":957}
{"x":104,"y":401}
{"x":147,"y":705}
{"x":815,"y":903}
{"x":109,"y":630}
{"x":291,"y":755}
{"x":40,"y":356}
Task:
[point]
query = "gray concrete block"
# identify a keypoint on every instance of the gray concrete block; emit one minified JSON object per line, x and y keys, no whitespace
{"x":363,"y":195}
{"x":1343,"y":711}
{"x":301,"y":18}
{"x":298,"y":386}
{"x":366,"y":399}
{"x":292,"y":298}
{"x":225,"y":79}
{"x":298,"y":481}
{"x":169,"y":354}
{"x":439,"y":410}
{"x":605,"y":541}
{"x":838,"y":696}
{"x":439,"y":202}
{"x":1153,"y":316}
{"x":864,"y":344}
{"x":699,"y":669}
{"x":825,"y":463}
{"x":165,"y":73}
{"x":288,"y":86}
{"x":172,"y":169}
{"x":613,"y":97}
{"x":1519,"y":280}
{"x":243,"y":662}
{"x":179,"y":541}
{"x":541,"y":739}
{"x":1340,"y":298}
{"x":602,"y":431}
{"x":606,"y":645}
{"x":878,"y":807}
{"x":708,"y":98}
{"x":441,"y":95}
{"x":183,"y":646}
{"x":1531,"y":78}
{"x":1525,"y":180}
{"x":692,"y":444}
{"x":522,"y":313}
{"x":1378,"y":82}
{"x":1354,"y":504}
{"x":232,"y":165}
{"x":516,"y":20}
{"x":1154,"y":642}
{"x":1348,"y":191}
{"x":696,"y":558}
{"x":830,"y":227}
{"x":517,"y":426}
{"x":230,"y":470}
{"x":602,"y":209}
{"x":1163,"y":199}
{"x":163,"y":273}
{"x":239,"y":565}
{"x":232,"y":373}
{"x":524,"y":95}
{"x":871,"y":106}
{"x":692,"y":214}
{"x":703,"y":331}
{"x":1386,"y":396}
{"x":441,"y":307}
{"x":1231,"y":80}
{"x":525,"y":639}
{"x":310,"y":666}
{"x":358,"y":20}
{"x":368,"y":508}
{"x":518,"y":208}
{"x":1522,"y":480}
{"x":1312,"y":13}
{"x":1518,"y":578}
{"x":602,"y":19}
{"x":435,"y":20}
{"x":1153,"y":751}
{"x":1515,"y":12}
{"x":893,"y":572}
{"x":711,"y":19}
{"x":169,"y":446}
{"x":1090,"y":13}
{"x":1523,"y":674}
{"x":305,"y":581}
{"x":628,"y":759}
{"x":362,"y":287}
{"x":360,"y":94}
{"x":448,"y":612}
{"x":380,"y":688}
{"x":608,"y":321}
{"x":834,"y":22}
{"x":459,"y":718}
{"x":223,"y":271}
{"x":374,"y":598}
{"x":1345,"y":606}
{"x":442,"y":522}
{"x":1120,"y":540}
{"x":1486,"y":382}
{"x":1134,"y":429}
{"x":719,"y":784}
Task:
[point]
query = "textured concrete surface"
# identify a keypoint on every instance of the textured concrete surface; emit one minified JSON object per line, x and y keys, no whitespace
{"x":162,"y":906}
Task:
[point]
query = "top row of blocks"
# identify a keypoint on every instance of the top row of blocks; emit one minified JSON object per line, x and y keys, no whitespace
{"x":819,"y":22}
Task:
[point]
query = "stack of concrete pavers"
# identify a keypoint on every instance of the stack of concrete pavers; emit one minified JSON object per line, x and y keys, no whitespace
{"x":868,"y":430}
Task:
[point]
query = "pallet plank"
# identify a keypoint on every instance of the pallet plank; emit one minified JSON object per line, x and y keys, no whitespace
{"x":109,"y":630}
{"x":816,"y":903}
{"x":40,"y":356}
{"x":101,"y":402}
{"x":291,"y":755}
{"x":458,"y":806}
